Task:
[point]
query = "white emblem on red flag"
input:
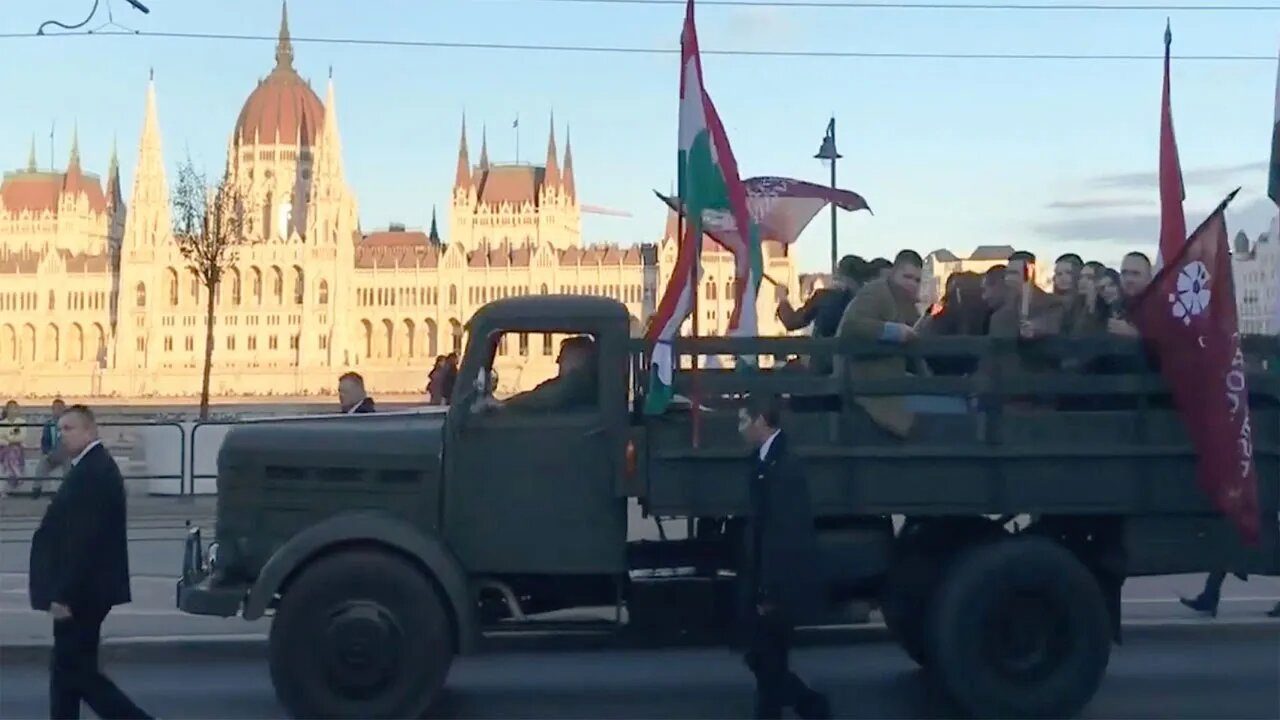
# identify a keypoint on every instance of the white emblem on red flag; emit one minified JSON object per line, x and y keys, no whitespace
{"x":1192,"y":295}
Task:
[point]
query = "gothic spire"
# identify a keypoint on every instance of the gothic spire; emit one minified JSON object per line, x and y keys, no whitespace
{"x":462,"y":178}
{"x":329,"y":160}
{"x":75,"y":146}
{"x":149,"y":216}
{"x":434,"y":234}
{"x":31,"y":155}
{"x":552,"y":176}
{"x":284,"y":48}
{"x":114,"y":197}
{"x":484,"y":148}
{"x":570,"y":189}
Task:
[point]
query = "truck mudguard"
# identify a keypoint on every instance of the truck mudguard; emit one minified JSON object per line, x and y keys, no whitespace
{"x":368,"y":528}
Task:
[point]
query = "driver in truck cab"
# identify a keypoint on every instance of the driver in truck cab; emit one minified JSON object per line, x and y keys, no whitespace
{"x":573,"y":387}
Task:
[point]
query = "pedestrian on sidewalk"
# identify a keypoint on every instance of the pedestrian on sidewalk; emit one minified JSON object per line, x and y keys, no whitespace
{"x":52,"y":456}
{"x":12,"y":457}
{"x":79,"y":571}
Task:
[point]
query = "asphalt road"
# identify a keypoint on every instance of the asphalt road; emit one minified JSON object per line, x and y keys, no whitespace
{"x":1163,"y":675}
{"x":155,"y":551}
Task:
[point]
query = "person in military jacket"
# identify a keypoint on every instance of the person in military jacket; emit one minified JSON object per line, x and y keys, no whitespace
{"x":79,"y":571}
{"x":885,"y":310}
{"x":781,"y":579}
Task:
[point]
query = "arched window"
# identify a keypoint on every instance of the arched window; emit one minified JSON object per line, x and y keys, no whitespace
{"x":173,"y":287}
{"x":140,"y":295}
{"x":299,"y":286}
{"x":323,"y":293}
{"x":367,"y":327}
{"x":453,"y":294}
{"x":277,"y":285}
{"x":235,"y":286}
{"x":255,"y":284}
{"x":544,"y":288}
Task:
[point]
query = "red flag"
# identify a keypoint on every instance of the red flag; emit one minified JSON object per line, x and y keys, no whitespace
{"x":1173,"y":221}
{"x":1188,"y":316}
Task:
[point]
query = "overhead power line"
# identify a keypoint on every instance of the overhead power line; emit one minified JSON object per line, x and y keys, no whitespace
{"x":960,"y":7}
{"x":634,"y":50}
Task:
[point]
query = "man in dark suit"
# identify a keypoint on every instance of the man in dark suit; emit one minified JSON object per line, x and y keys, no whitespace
{"x":781,"y":580}
{"x":352,"y":398}
{"x":80,"y":570}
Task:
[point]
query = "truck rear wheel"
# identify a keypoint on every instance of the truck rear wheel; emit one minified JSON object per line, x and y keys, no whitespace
{"x":360,"y":634}
{"x":1020,"y":628}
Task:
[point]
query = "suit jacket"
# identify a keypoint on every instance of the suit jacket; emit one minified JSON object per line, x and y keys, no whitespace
{"x":874,"y":305}
{"x":780,"y":552}
{"x":80,"y":552}
{"x":364,"y":406}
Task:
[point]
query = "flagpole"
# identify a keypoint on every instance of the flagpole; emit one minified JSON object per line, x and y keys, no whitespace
{"x":516,"y":126}
{"x":695,"y":290}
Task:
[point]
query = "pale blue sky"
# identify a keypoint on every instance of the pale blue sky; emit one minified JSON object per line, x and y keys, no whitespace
{"x":950,"y":153}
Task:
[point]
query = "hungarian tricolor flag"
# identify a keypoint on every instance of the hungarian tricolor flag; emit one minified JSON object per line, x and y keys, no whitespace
{"x":708,"y":185}
{"x":1188,"y":317}
{"x":1173,"y":221}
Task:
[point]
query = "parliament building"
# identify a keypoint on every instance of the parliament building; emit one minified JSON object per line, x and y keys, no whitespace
{"x":97,"y":301}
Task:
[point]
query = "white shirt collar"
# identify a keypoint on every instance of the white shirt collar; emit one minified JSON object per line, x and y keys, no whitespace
{"x":768,"y":443}
{"x":85,"y":451}
{"x":352,"y":410}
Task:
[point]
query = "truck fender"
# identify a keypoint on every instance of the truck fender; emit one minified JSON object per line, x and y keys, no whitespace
{"x":366,"y":528}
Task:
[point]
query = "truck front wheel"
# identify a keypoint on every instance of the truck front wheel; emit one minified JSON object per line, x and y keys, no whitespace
{"x":1020,"y":629}
{"x":360,"y":634}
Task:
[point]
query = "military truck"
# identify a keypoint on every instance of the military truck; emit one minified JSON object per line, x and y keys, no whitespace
{"x":994,"y":543}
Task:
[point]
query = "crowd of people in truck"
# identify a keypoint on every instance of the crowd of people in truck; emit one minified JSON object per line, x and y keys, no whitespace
{"x":879,"y":300}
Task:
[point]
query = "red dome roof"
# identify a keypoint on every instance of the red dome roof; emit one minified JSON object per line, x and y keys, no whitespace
{"x":283,"y":107}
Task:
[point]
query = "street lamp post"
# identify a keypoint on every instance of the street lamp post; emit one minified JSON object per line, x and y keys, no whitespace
{"x":828,"y":153}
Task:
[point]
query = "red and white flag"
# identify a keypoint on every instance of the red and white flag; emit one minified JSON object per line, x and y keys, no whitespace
{"x":781,"y":207}
{"x":1188,"y":317}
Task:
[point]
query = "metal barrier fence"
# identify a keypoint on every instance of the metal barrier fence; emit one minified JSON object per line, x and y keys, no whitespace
{"x":162,"y":453}
{"x":29,"y":465}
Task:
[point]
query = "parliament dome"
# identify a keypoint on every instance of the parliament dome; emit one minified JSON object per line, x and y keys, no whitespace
{"x":283,"y":108}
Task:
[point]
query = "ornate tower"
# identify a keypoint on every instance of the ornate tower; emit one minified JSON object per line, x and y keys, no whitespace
{"x":273,"y":147}
{"x":463,"y":203}
{"x":145,"y":247}
{"x":331,"y":231}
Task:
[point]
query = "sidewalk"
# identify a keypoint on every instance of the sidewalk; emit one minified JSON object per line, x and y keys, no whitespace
{"x":21,"y":511}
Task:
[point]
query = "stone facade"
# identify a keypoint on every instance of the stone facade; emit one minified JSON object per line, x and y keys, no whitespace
{"x":97,"y":301}
{"x":1255,"y":267}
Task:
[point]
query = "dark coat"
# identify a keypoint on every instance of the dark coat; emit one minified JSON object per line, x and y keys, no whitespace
{"x":364,"y":406}
{"x":781,"y":565}
{"x":80,"y":552}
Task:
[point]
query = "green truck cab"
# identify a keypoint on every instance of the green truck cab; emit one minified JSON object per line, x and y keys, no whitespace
{"x":994,"y":543}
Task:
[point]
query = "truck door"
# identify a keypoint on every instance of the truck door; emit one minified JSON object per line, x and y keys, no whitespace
{"x":533,"y":492}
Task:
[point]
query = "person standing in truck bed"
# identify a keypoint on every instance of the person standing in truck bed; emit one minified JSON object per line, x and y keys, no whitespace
{"x":824,"y":307}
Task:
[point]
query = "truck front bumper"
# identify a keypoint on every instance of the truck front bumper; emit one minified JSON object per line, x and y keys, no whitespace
{"x":199,"y":591}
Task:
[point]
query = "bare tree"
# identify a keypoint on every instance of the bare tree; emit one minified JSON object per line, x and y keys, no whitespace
{"x":209,"y":222}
